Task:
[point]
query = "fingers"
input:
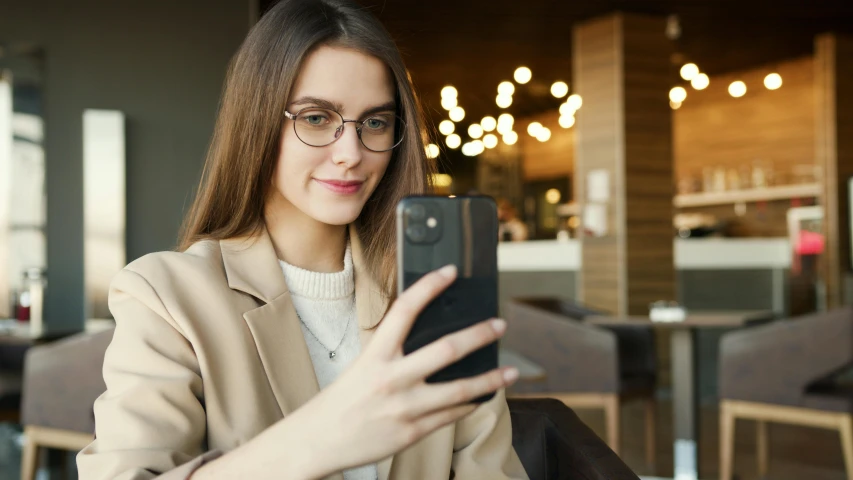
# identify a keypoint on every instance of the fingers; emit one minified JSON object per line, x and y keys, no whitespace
{"x":427,"y":399}
{"x":398,"y":321}
{"x":429,"y":423}
{"x":425,"y":361}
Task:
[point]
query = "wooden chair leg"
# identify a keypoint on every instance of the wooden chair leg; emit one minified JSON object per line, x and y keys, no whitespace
{"x":611,"y":420}
{"x":651,"y":432}
{"x":846,"y":430}
{"x":761,"y":447}
{"x":727,"y":440}
{"x":29,"y":457}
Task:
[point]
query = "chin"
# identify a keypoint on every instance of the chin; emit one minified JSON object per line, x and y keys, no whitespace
{"x":337,"y":214}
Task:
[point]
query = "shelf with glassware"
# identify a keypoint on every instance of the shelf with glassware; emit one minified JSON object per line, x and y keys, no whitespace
{"x":778,"y":192}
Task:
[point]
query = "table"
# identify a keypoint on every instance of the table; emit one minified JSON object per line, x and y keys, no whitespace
{"x":683,"y":364}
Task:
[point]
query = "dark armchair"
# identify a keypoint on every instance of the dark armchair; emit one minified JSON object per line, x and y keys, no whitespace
{"x":585,"y":366}
{"x":785,"y":372}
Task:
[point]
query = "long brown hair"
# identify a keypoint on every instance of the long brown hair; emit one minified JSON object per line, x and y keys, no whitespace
{"x":242,"y":157}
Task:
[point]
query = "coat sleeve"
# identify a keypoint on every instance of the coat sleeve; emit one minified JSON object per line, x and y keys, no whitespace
{"x":150,"y":422}
{"x":482,"y":446}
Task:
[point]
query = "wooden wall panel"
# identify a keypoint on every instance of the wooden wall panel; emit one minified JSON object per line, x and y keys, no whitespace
{"x":834,"y":147}
{"x":624,"y":128}
{"x":549,"y":159}
{"x":648,"y":164}
{"x":597,"y":68}
{"x":776,"y":127}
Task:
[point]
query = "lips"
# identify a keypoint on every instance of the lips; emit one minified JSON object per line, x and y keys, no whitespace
{"x":346,"y":187}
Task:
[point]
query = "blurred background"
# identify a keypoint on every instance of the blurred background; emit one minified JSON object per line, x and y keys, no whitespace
{"x":694,"y":155}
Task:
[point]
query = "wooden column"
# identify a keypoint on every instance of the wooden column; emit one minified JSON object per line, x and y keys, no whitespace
{"x":624,"y":138}
{"x":834,"y":150}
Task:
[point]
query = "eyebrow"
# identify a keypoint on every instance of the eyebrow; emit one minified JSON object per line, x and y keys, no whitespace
{"x":323,"y":103}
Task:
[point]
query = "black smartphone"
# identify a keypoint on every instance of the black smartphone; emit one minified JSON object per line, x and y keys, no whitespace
{"x":434,"y":231}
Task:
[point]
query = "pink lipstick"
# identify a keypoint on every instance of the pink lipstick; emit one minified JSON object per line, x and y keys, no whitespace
{"x":344,"y":187}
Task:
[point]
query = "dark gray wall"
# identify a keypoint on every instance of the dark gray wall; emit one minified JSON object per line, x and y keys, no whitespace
{"x":162,"y":63}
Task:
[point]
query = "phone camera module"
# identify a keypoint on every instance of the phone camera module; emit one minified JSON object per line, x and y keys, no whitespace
{"x":416,"y":212}
{"x":416,"y":232}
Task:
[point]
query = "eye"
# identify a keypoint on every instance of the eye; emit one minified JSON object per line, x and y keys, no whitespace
{"x":375,"y":123}
{"x":315,"y":119}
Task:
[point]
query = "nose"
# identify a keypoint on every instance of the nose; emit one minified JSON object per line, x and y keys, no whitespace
{"x":347,"y":149}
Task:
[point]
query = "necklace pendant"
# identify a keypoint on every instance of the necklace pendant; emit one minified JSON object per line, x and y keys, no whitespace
{"x":332,"y":354}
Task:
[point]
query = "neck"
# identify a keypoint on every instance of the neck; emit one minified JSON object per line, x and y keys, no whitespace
{"x":303,"y":241}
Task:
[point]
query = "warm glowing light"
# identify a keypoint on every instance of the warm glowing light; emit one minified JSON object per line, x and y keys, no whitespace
{"x":567,"y":121}
{"x":449,"y":92}
{"x":559,"y":89}
{"x":453,"y":141}
{"x":544,"y":135}
{"x":553,"y":196}
{"x":737,"y":89}
{"x":490,"y":141}
{"x":506,"y":88}
{"x":503,"y":101}
{"x":773,"y":81}
{"x":504,"y":127}
{"x":566,"y":109}
{"x":475,"y":130}
{"x":432,"y":150}
{"x":457,"y":114}
{"x":522,"y":75}
{"x":674,"y":105}
{"x":488,"y":123}
{"x":574,"y":101}
{"x":506,"y":118}
{"x":510,"y":137}
{"x":700,"y":82}
{"x":446,"y":127}
{"x":472,"y":149}
{"x":466,"y":150}
{"x":442,"y":180}
{"x":534,"y":128}
{"x":689,"y":71}
{"x":678,"y":94}
{"x":448,"y":102}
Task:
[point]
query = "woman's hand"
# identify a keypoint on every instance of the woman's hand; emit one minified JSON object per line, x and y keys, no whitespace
{"x":381,"y":404}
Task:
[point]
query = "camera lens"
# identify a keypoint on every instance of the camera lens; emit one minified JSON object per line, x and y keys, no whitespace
{"x":416,"y":212}
{"x":416,"y":232}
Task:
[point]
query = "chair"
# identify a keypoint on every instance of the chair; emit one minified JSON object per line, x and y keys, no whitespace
{"x":553,"y":443}
{"x":61,"y":382}
{"x":785,"y":372}
{"x":586,"y":366}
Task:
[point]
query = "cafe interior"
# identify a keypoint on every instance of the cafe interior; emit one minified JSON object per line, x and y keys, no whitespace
{"x":674,"y":181}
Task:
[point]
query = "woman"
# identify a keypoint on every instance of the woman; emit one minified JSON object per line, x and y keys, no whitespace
{"x":255,"y":351}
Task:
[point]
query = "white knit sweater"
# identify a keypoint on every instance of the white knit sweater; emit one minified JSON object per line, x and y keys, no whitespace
{"x":325,"y":303}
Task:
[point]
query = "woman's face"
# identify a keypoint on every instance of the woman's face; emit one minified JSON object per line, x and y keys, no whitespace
{"x":332,"y":183}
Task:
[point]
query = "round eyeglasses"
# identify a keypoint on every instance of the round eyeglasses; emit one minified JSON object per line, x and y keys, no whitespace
{"x":318,"y":127}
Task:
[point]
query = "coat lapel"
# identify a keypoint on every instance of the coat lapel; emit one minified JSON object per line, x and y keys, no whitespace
{"x":252,"y":267}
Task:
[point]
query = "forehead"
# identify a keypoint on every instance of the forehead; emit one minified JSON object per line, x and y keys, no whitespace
{"x":344,"y":76}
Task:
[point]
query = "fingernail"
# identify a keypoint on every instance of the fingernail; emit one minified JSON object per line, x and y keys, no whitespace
{"x":510,"y":375}
{"x":448,"y":271}
{"x":499,"y":325}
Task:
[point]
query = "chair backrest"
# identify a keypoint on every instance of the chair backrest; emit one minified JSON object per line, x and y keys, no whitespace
{"x":576,"y":357}
{"x":776,"y":362}
{"x":553,"y":443}
{"x":62,"y":381}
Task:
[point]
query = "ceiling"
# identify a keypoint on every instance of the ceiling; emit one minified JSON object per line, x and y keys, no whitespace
{"x":474,"y":45}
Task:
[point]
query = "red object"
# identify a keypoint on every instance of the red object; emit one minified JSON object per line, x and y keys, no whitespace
{"x":810,"y":243}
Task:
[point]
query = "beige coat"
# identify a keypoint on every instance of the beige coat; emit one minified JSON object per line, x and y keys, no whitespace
{"x":208,"y":352}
